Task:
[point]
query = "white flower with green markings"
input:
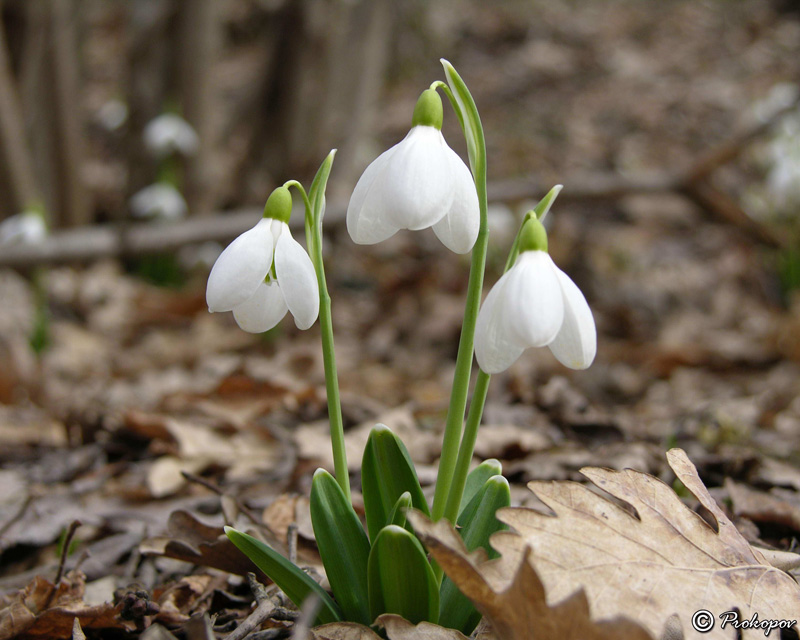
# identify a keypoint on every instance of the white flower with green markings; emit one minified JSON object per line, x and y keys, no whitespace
{"x":264,"y":273}
{"x":534,"y":304}
{"x":418,"y":183}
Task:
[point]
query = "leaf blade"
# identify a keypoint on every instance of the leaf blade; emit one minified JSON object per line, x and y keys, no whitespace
{"x":343,"y":546}
{"x":292,"y":580}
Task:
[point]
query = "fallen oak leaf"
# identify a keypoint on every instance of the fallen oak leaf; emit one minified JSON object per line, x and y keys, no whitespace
{"x":510,"y":594}
{"x":343,"y":631}
{"x":664,"y":560}
{"x":398,"y":628}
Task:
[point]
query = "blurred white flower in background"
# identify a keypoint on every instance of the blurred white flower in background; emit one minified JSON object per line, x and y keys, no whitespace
{"x":168,"y":134}
{"x":112,"y":115}
{"x":160,"y":201}
{"x":27,"y":227}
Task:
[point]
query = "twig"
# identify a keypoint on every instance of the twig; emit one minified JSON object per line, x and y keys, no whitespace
{"x":262,"y":612}
{"x":70,"y":533}
{"x":308,"y":612}
{"x":216,"y":489}
{"x":291,"y":542}
{"x":15,"y":518}
{"x":73,"y":527}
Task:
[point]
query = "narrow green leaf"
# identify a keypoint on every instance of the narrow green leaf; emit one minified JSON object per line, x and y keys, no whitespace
{"x":478,"y":523}
{"x":294,"y":582}
{"x":343,"y":546}
{"x":401,"y":579}
{"x":543,"y":207}
{"x":316,"y":193}
{"x":398,"y":513}
{"x":468,"y":116}
{"x":477,"y":478}
{"x":386,"y":473}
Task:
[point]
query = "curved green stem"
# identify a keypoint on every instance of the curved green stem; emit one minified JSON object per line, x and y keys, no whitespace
{"x":313,"y":228}
{"x":467,"y":112}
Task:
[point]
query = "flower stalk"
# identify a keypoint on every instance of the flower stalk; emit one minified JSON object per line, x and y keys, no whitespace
{"x":315,"y":210}
{"x":467,"y":113}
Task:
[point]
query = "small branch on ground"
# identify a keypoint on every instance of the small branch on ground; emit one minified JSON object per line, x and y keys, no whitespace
{"x":218,"y":490}
{"x":262,"y":612}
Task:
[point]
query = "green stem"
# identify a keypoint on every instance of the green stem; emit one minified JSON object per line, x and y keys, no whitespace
{"x":467,"y":445}
{"x":458,"y":395}
{"x":313,"y":229}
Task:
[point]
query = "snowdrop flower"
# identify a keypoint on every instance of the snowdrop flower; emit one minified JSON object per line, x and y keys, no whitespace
{"x":534,"y":304}
{"x":418,"y":183}
{"x":265,"y":272}
{"x":159,"y":200}
{"x":169,"y":133}
{"x":27,"y":227}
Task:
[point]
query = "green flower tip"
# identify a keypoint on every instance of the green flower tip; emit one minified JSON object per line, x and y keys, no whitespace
{"x":320,"y":472}
{"x":428,"y":111}
{"x":279,"y":205}
{"x":533,"y":237}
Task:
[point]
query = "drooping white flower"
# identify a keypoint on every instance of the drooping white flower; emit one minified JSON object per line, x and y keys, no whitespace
{"x":169,"y":133}
{"x":264,"y":273}
{"x":27,"y":227}
{"x":160,"y":200}
{"x":420,"y":182}
{"x":534,"y":304}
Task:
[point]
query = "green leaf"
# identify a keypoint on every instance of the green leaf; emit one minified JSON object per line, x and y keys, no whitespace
{"x":294,"y":582}
{"x":386,"y":473}
{"x":467,"y":114}
{"x":477,"y":478}
{"x":478,"y":523}
{"x":316,"y":193}
{"x":343,"y":546}
{"x":398,"y":514}
{"x":401,"y":579}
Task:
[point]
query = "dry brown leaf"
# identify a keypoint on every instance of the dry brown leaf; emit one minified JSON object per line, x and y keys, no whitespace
{"x":510,"y":594}
{"x":665,"y":561}
{"x":343,"y":631}
{"x":193,"y":541}
{"x":45,"y":610}
{"x":762,"y":507}
{"x":398,"y":628}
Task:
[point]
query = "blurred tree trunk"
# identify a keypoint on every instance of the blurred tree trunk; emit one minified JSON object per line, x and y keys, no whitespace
{"x":69,"y":151}
{"x":198,"y":51}
{"x":148,"y":74}
{"x":15,"y":158}
{"x":319,"y":86}
{"x":50,"y":80}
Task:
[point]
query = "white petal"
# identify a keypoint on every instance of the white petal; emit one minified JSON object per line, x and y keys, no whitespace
{"x":240,"y":268}
{"x":413,"y":188}
{"x":534,"y":306}
{"x":458,"y":230}
{"x":263,"y":310}
{"x":495,"y":350}
{"x":576,"y":343}
{"x":297,"y":279}
{"x":366,"y":225}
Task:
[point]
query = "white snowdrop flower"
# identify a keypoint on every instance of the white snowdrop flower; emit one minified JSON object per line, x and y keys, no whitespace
{"x":27,"y":227}
{"x":112,"y":115}
{"x":264,"y":273}
{"x":169,"y":133}
{"x":534,"y":304}
{"x":420,"y":182}
{"x":160,"y":200}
